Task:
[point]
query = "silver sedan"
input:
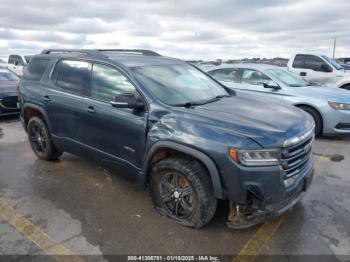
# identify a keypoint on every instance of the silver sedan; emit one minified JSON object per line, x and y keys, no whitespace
{"x":330,"y":108}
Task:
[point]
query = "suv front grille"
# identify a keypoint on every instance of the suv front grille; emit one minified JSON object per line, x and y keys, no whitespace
{"x":10,"y":102}
{"x":295,"y":157}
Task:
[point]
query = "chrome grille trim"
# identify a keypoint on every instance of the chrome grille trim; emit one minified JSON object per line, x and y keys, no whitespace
{"x":295,"y":157}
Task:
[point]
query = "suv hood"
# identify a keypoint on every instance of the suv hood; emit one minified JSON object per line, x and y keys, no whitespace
{"x":268,"y":123}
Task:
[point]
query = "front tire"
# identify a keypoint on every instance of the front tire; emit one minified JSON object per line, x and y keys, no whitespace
{"x":40,"y":140}
{"x":181,"y":189}
{"x":317,"y":118}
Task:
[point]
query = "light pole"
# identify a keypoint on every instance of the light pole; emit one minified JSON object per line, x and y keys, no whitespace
{"x":335,"y":42}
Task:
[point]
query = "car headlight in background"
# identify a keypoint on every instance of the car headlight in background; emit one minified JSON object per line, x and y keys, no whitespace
{"x":339,"y":106}
{"x":263,"y":157}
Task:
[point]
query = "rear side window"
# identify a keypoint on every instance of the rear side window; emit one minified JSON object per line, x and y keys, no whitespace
{"x":73,"y":76}
{"x":19,"y":61}
{"x":298,"y":61}
{"x":225,"y":74}
{"x":35,"y":70}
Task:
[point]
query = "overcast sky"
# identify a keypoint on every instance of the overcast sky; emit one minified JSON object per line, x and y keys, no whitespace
{"x":185,"y":29}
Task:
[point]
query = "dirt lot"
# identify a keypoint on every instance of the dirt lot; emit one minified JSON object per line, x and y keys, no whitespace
{"x":76,"y":207}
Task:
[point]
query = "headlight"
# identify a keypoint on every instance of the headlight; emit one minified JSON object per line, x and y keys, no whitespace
{"x":339,"y":106}
{"x":263,"y":157}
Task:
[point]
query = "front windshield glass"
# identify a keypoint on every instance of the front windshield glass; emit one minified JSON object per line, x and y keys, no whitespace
{"x":7,"y":76}
{"x":178,"y":84}
{"x":288,"y":78}
{"x":332,"y":62}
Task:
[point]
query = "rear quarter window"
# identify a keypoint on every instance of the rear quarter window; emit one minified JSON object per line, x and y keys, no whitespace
{"x":35,"y":70}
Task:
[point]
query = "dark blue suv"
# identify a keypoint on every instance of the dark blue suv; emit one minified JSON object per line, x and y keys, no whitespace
{"x":187,"y":137}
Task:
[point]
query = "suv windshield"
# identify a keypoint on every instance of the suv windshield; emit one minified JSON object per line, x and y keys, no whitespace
{"x":288,"y":78}
{"x":332,"y":62}
{"x":179,"y":84}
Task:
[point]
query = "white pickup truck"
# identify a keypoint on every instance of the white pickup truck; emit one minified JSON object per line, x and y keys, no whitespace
{"x":16,"y":63}
{"x":319,"y":69}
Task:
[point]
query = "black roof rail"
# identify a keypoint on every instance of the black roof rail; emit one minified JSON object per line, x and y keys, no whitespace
{"x":137,"y":51}
{"x":83,"y":51}
{"x":99,"y":52}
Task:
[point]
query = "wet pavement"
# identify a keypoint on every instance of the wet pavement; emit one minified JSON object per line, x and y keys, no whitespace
{"x":91,"y":209}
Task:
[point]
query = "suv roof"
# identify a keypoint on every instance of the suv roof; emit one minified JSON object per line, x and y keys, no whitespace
{"x":126,"y":57}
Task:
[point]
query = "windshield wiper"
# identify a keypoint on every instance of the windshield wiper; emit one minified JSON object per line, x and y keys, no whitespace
{"x":202,"y":102}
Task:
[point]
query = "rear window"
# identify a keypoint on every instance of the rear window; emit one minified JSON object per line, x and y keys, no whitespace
{"x":225,"y":74}
{"x":11,"y":59}
{"x":35,"y":70}
{"x":298,"y":61}
{"x":73,"y":76}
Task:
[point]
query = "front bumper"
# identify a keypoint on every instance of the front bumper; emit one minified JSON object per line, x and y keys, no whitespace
{"x":8,"y":106}
{"x":337,"y":122}
{"x":238,"y":219}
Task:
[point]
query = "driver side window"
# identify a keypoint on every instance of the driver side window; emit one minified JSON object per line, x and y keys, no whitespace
{"x":107,"y":82}
{"x":253,"y":77}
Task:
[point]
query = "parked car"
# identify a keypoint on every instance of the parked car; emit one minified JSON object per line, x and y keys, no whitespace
{"x":330,"y":108}
{"x":8,"y":93}
{"x":319,"y":69}
{"x":186,"y":136}
{"x":17,"y":62}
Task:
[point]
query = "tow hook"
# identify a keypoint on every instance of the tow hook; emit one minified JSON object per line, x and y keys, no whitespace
{"x":240,"y":217}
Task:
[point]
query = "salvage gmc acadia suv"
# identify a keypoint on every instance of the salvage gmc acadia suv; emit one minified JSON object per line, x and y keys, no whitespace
{"x":191,"y":140}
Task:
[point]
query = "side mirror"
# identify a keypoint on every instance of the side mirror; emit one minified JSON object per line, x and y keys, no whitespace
{"x":326,"y":68}
{"x":127,"y":101}
{"x":271,"y":84}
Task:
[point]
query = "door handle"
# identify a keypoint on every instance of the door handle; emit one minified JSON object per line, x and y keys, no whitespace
{"x":47,"y":98}
{"x":91,"y":109}
{"x":302,"y":73}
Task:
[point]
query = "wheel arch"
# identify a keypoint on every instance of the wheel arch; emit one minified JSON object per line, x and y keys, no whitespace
{"x":30,"y":110}
{"x":345,"y":86}
{"x":299,"y":105}
{"x":163,"y":146}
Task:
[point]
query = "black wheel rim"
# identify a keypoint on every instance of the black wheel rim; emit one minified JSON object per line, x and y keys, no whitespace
{"x":176,"y":195}
{"x":38,"y":138}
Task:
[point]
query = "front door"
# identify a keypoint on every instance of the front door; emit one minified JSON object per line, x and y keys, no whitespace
{"x":115,"y":133}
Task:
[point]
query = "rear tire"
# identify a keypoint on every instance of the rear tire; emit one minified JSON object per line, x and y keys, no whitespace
{"x":40,"y":140}
{"x":317,"y":118}
{"x":181,"y":189}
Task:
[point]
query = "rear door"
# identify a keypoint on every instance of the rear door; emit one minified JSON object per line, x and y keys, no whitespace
{"x":64,"y":98}
{"x":117,"y":134}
